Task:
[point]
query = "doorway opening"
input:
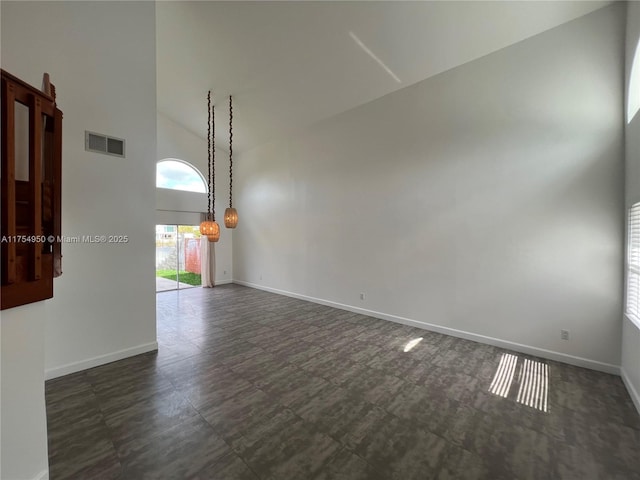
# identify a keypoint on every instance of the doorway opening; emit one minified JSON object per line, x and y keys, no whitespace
{"x":177,"y":257}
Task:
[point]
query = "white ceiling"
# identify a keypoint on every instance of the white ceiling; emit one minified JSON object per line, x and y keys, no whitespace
{"x":290,"y":64}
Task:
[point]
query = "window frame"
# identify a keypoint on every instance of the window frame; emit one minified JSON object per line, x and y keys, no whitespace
{"x":632,"y":285}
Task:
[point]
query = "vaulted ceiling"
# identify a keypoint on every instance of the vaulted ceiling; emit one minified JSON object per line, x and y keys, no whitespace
{"x":290,"y":64}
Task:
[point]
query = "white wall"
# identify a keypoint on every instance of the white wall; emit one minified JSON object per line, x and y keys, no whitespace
{"x":631,"y":331}
{"x":23,"y":435}
{"x":101,"y":57}
{"x":484,"y":200}
{"x":173,"y":206}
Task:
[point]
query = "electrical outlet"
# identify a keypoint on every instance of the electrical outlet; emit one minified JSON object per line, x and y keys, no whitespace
{"x":564,"y":334}
{"x":225,"y":272}
{"x":362,"y":296}
{"x":260,"y":276}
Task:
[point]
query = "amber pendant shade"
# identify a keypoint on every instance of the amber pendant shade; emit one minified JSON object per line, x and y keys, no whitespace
{"x":230,"y":218}
{"x":211,"y":230}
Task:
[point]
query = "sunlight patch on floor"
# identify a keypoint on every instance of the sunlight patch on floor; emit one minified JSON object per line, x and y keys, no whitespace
{"x":534,"y":385}
{"x":533,"y":379}
{"x":411,"y":344}
{"x":504,"y":375}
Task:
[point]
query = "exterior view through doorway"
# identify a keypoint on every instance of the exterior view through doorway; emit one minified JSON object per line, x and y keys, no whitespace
{"x":177,"y":257}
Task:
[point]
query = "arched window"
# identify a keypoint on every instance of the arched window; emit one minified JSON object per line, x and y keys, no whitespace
{"x":178,"y":175}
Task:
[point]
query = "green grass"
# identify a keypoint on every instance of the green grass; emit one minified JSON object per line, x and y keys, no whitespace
{"x":185,"y":277}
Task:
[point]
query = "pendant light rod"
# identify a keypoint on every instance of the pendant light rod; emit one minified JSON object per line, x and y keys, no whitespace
{"x":209,"y":227}
{"x":230,"y":214}
{"x":209,"y":155}
{"x":230,"y":153}
{"x":212,"y":154}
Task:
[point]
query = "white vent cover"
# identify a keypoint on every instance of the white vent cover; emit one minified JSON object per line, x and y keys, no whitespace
{"x":97,"y":142}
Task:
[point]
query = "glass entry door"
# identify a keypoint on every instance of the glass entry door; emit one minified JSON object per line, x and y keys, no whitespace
{"x":177,"y":257}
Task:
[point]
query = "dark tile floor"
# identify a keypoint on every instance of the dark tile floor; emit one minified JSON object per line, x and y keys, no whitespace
{"x":251,"y":385}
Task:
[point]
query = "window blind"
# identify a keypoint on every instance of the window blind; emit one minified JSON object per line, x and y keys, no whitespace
{"x":633,"y":264}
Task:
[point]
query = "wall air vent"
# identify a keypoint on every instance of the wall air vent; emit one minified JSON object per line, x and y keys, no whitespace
{"x":96,"y":142}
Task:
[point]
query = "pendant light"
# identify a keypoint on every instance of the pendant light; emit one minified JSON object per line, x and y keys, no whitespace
{"x":209,"y":227}
{"x":230,"y":214}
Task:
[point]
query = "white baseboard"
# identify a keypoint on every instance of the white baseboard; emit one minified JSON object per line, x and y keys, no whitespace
{"x":633,"y":393}
{"x":43,"y":475}
{"x":99,"y":360}
{"x":223,"y":282}
{"x":496,"y":342}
